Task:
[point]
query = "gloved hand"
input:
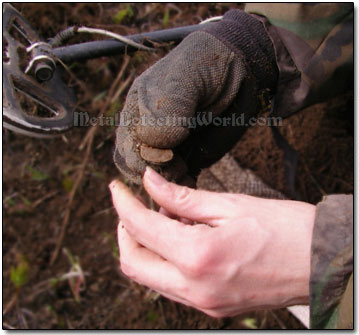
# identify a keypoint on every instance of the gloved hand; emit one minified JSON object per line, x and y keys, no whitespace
{"x":220,"y":70}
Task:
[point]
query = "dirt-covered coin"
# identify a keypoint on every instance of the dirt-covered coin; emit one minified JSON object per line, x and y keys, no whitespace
{"x":154,"y":155}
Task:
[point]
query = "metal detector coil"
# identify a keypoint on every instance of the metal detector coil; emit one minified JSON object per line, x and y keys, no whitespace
{"x":35,"y":107}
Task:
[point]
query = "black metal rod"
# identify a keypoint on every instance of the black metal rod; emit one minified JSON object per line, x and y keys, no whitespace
{"x":97,"y":49}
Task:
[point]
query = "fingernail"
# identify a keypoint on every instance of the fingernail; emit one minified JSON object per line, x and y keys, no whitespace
{"x":112,"y":185}
{"x":154,"y":178}
{"x":116,"y":184}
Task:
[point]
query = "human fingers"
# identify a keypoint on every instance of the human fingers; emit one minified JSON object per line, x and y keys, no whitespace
{"x":171,"y":239}
{"x":196,"y":205}
{"x":146,"y":267}
{"x":165,"y":212}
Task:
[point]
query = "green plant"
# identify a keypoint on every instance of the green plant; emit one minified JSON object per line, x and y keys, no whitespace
{"x":250,"y":323}
{"x":75,"y":276}
{"x":166,"y":18}
{"x":113,"y":243}
{"x":100,"y":96}
{"x":114,"y":108}
{"x":127,"y":12}
{"x":68,"y":183}
{"x":19,"y":275}
{"x":152,"y":316}
{"x":98,"y":174}
{"x":36,"y":175}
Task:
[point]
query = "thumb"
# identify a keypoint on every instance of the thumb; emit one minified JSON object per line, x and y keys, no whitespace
{"x":164,"y":102}
{"x":201,"y":74}
{"x":185,"y":202}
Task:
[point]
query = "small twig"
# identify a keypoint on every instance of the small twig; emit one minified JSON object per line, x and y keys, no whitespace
{"x":120,"y":75}
{"x":10,"y":305}
{"x":123,"y":87}
{"x":9,"y":197}
{"x":26,"y":311}
{"x":22,"y":319}
{"x":163,"y":313}
{"x":279,"y":321}
{"x":73,"y":274}
{"x":342,"y":181}
{"x":41,"y":200}
{"x":7,"y":326}
{"x":264,"y":320}
{"x":64,"y":138}
{"x":100,"y":145}
{"x":154,"y":6}
{"x":103,"y":211}
{"x":313,"y":179}
{"x":77,"y":80}
{"x":174,"y":7}
{"x":93,"y":129}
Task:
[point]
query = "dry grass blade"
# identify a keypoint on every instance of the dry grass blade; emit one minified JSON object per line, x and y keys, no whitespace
{"x":44,"y":198}
{"x":70,"y":202}
{"x":279,"y":321}
{"x":7,"y":326}
{"x":108,"y":100}
{"x":73,"y":77}
{"x":315,"y":182}
{"x":121,"y":89}
{"x":11,"y":304}
{"x":88,"y":141}
{"x":93,"y":129}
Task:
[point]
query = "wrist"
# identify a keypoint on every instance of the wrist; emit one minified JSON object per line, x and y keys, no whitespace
{"x":286,"y":257}
{"x":301,"y":225}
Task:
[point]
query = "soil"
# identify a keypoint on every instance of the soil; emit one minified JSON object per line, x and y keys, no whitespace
{"x":38,"y":175}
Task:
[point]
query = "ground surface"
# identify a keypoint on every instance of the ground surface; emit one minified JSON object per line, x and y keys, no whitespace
{"x":39,"y":175}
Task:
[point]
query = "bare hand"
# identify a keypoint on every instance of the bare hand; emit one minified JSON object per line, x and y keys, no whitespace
{"x":248,"y":254}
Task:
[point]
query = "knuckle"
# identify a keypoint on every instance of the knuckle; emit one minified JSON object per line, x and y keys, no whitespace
{"x":182,"y":196}
{"x":192,"y":268}
{"x":206,"y":302}
{"x":215,"y":314}
{"x":127,"y":269}
{"x":200,"y":261}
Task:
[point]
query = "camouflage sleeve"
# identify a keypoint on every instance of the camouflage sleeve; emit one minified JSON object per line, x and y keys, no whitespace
{"x":314,"y":50}
{"x":331,"y":284}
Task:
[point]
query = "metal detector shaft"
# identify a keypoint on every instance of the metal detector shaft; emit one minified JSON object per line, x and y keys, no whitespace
{"x":96,"y":49}
{"x":36,"y":101}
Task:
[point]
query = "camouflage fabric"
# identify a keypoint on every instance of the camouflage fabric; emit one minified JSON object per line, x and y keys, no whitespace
{"x":227,"y":176}
{"x":346,"y":308}
{"x":314,"y":52}
{"x":314,"y":49}
{"x":332,"y":263}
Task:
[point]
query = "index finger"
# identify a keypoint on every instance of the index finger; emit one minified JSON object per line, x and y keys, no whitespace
{"x":166,"y":237}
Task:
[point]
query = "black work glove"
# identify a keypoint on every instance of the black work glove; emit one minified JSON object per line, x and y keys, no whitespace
{"x":224,"y":70}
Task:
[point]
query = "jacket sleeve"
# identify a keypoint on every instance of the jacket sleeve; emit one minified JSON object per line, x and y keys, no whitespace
{"x":331,"y":284}
{"x":314,"y":53}
{"x":314,"y":50}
